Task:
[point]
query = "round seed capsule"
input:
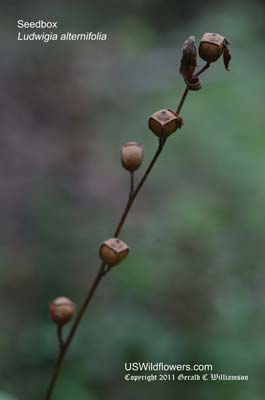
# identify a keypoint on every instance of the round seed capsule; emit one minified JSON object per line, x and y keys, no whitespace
{"x":61,"y":310}
{"x":132,"y":156}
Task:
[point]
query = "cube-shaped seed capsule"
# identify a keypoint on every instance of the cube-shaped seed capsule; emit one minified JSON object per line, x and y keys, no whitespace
{"x":164,"y":122}
{"x":211,"y":46}
{"x":113,"y":251}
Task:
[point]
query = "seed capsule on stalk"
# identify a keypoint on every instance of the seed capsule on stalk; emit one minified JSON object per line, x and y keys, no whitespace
{"x":61,"y":310}
{"x":212,"y":46}
{"x":164,"y":122}
{"x":113,"y":251}
{"x":132,"y":156}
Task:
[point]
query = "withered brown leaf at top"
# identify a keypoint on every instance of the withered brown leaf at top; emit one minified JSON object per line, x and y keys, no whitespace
{"x":188,"y":62}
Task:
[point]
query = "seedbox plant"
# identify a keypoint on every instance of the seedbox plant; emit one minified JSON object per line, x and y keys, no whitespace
{"x":162,"y":123}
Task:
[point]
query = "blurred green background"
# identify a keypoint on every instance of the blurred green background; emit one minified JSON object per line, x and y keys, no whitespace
{"x":192,"y":289}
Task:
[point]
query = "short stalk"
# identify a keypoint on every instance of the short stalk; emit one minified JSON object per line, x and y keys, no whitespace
{"x":60,"y":336}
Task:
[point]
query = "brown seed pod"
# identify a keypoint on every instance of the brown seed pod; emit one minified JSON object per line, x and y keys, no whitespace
{"x":61,"y":310}
{"x":113,"y":251}
{"x":132,"y":156}
{"x":164,"y":122}
{"x":211,"y":47}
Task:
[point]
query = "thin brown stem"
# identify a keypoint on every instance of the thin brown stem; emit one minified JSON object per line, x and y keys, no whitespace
{"x":203,"y":69}
{"x":131,"y":191}
{"x":182,"y":100}
{"x":131,"y":184}
{"x":186,"y":91}
{"x":60,"y":336}
{"x":101,"y":272}
{"x":103,"y":269}
{"x":138,"y":188}
{"x":69,"y":339}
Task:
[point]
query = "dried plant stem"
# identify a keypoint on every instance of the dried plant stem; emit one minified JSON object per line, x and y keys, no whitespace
{"x":138,"y":188}
{"x":103,"y":269}
{"x":183,"y":98}
{"x":74,"y":327}
{"x":203,"y":69}
{"x":100,"y":274}
{"x":60,"y":336}
{"x":186,"y":91}
{"x":131,"y":184}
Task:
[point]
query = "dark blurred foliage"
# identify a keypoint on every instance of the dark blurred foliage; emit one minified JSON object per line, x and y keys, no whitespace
{"x":192,"y":290}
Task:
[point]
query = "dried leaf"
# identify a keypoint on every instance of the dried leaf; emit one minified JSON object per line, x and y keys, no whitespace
{"x":188,"y":61}
{"x":226,"y":55}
